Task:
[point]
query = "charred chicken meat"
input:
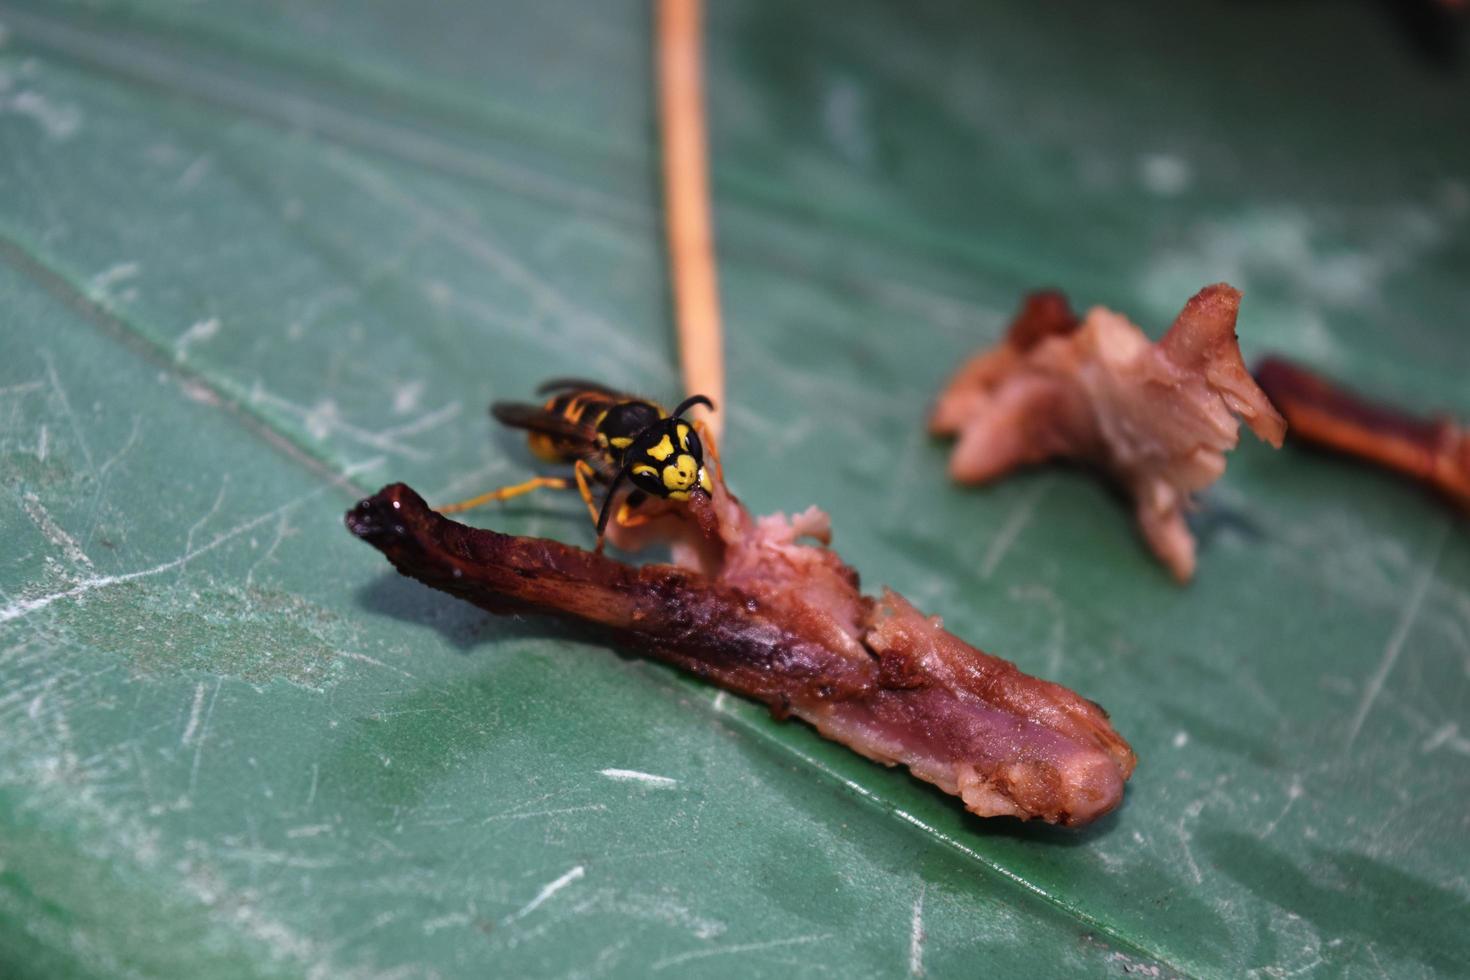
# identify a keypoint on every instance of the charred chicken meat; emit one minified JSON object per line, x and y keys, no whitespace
{"x":762,"y":608}
{"x":1434,"y":451}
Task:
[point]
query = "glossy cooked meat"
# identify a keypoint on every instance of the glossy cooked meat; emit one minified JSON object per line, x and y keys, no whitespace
{"x":756,"y":611}
{"x":1435,"y":451}
{"x":1157,"y":417}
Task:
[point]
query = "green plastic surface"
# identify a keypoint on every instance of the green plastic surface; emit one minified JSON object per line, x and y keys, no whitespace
{"x":258,"y":259}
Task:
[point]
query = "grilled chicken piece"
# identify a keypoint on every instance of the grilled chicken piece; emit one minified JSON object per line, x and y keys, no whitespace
{"x":1435,"y":451}
{"x":750,"y":607}
{"x":1158,"y":417}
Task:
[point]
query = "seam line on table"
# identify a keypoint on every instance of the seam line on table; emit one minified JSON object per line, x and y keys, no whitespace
{"x":68,"y":293}
{"x":757,"y":729}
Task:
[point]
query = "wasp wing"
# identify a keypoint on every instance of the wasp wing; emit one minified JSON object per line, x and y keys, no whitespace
{"x":577,"y":384}
{"x":534,"y":418}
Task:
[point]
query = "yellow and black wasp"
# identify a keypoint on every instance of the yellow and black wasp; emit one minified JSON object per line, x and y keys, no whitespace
{"x":608,"y":437}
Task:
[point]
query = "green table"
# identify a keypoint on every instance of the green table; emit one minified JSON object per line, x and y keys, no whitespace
{"x":257,"y":261}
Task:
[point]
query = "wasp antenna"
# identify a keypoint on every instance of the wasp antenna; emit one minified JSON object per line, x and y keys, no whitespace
{"x":690,"y":402}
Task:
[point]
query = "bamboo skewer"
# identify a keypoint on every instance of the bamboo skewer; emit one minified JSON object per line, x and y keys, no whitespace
{"x":687,"y":203}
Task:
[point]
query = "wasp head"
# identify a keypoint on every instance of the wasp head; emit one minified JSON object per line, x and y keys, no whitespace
{"x":667,"y":460}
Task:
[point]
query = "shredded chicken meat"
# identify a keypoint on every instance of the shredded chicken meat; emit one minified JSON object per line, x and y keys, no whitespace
{"x":1159,"y":417}
{"x":750,"y":606}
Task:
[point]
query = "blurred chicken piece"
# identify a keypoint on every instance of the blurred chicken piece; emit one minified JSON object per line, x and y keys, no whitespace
{"x":1158,"y":417}
{"x":1435,"y":451}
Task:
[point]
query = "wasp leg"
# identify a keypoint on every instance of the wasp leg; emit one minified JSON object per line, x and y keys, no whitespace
{"x":505,"y":493}
{"x":585,"y":474}
{"x":707,"y":437}
{"x":626,"y":518}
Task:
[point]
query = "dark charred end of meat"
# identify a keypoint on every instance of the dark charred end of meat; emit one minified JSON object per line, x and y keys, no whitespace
{"x":1044,"y":313}
{"x":375,"y":519}
{"x":1321,"y":413}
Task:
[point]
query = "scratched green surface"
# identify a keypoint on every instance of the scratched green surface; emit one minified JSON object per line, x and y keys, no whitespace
{"x":255,"y":259}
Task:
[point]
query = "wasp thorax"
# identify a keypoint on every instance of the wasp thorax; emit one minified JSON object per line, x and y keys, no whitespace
{"x":668,"y":461}
{"x":623,"y":423}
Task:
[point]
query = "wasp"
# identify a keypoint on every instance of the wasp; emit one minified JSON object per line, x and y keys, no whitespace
{"x":608,"y":437}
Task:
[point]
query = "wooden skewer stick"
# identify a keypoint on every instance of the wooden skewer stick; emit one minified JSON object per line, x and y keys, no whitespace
{"x":687,"y":203}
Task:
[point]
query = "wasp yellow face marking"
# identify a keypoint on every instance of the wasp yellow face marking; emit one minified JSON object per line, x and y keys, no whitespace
{"x":621,"y":442}
{"x":683,"y":431}
{"x":678,"y":494}
{"x":681,"y":473}
{"x":662,"y":449}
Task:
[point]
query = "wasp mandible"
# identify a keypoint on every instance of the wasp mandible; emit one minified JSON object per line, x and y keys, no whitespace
{"x":607,"y":436}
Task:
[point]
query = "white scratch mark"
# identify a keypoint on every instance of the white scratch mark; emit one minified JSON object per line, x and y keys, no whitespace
{"x":60,"y":121}
{"x":700,"y":954}
{"x":194,"y":173}
{"x":53,"y":532}
{"x":71,"y":417}
{"x":101,"y":284}
{"x":219,"y":499}
{"x":283,"y":531}
{"x":102,"y":475}
{"x":22,"y":388}
{"x":324,"y":418}
{"x":432,"y":926}
{"x":311,"y":793}
{"x":196,"y":392}
{"x":1395,"y":644}
{"x":546,"y":892}
{"x":200,"y":332}
{"x":24,"y":607}
{"x":406,"y":396}
{"x":1447,"y":735}
{"x":719,"y":702}
{"x":1181,"y":739}
{"x":311,"y":830}
{"x":126,"y":448}
{"x":916,"y":936}
{"x":1191,"y":812}
{"x":1011,"y":529}
{"x":634,"y":776}
{"x":589,"y":808}
{"x":43,"y":442}
{"x":369,"y":660}
{"x":194,"y":712}
{"x":203,"y":734}
{"x":264,"y":855}
{"x":1293,"y":793}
